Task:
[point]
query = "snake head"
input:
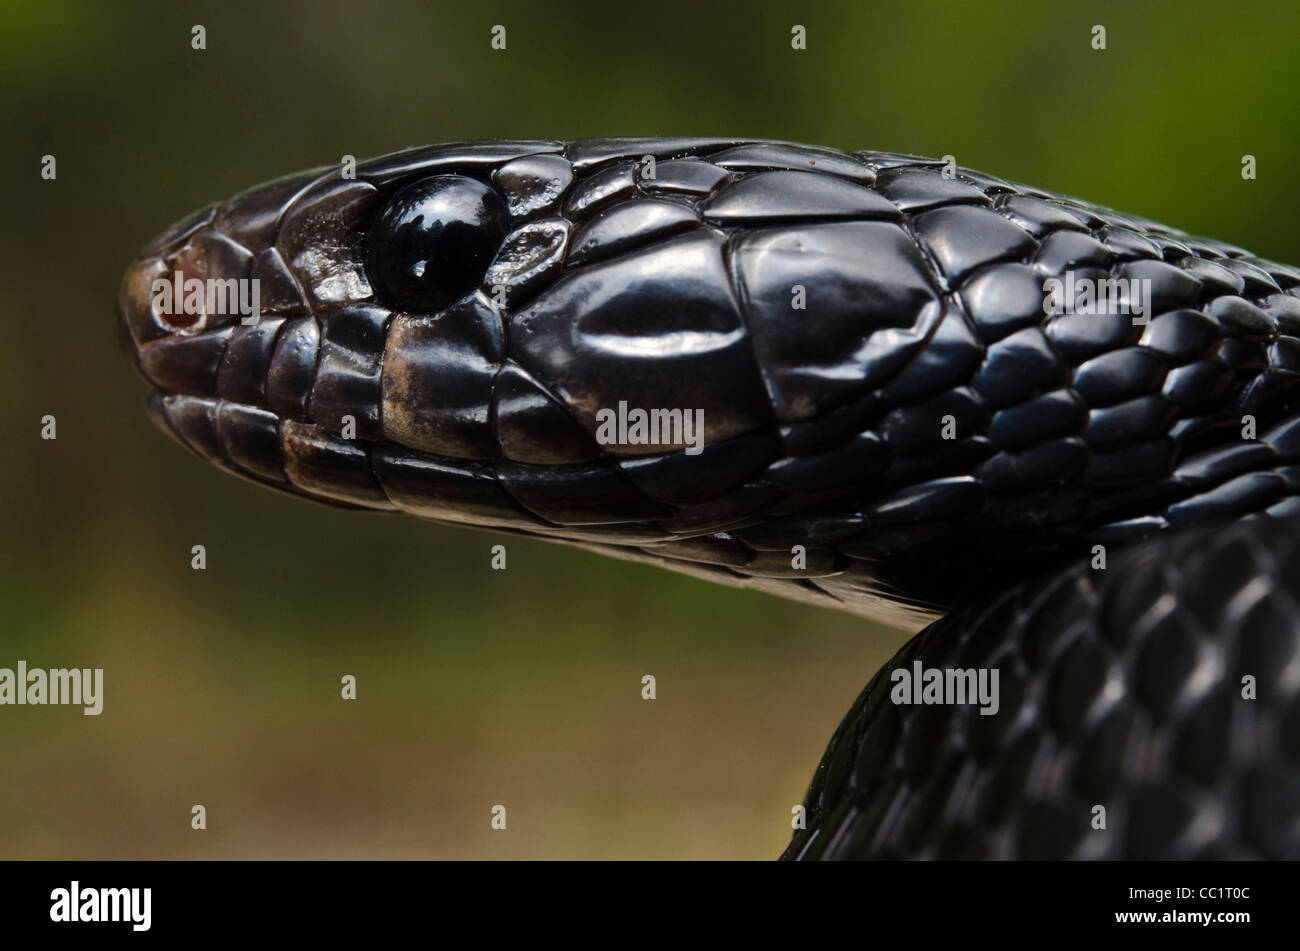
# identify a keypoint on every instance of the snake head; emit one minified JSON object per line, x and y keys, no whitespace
{"x":288,"y":331}
{"x":516,"y":335}
{"x":458,"y":331}
{"x":470,"y":304}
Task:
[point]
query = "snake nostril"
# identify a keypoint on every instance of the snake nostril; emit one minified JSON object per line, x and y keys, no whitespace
{"x":433,"y":241}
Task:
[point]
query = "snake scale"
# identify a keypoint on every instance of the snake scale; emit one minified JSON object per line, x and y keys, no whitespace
{"x":898,"y":413}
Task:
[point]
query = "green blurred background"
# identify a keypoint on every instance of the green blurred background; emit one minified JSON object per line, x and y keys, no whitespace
{"x":479,"y":687}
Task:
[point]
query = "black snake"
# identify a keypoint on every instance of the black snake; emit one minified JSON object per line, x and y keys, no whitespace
{"x":868,"y":380}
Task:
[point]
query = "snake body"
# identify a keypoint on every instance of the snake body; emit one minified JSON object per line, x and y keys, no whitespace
{"x":893,"y":423}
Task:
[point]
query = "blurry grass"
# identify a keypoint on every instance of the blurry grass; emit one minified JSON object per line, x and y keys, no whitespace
{"x":216,"y":694}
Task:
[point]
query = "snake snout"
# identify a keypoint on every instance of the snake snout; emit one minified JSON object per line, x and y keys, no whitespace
{"x":204,"y":302}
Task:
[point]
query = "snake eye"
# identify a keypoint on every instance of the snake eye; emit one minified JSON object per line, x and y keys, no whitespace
{"x":433,"y":241}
